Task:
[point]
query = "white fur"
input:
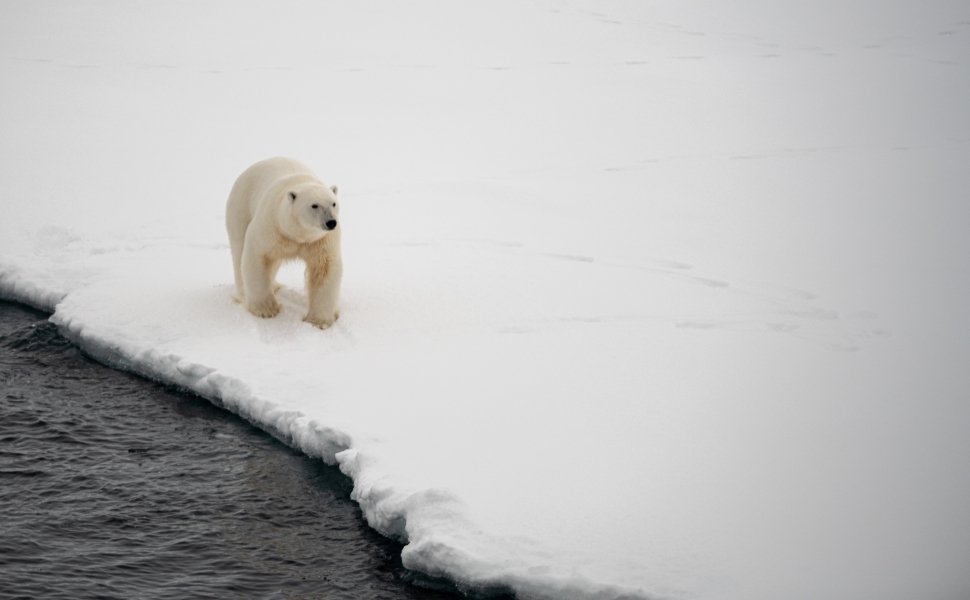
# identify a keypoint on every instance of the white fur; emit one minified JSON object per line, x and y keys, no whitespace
{"x":267,"y":226}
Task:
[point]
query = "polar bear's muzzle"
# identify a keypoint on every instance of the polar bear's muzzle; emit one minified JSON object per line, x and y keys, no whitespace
{"x":330,"y":225}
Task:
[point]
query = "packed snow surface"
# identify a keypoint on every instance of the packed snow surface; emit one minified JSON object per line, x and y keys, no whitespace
{"x":649,"y":299}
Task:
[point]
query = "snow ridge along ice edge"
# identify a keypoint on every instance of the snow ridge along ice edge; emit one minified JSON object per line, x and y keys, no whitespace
{"x":409,"y":517}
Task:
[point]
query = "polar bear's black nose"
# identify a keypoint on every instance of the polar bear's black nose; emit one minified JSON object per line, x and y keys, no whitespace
{"x":331,"y":224}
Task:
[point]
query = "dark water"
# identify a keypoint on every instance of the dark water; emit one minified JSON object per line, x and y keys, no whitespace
{"x":114,"y":487}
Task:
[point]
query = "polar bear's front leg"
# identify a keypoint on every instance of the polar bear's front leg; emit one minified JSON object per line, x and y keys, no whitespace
{"x":259,"y":269}
{"x":323,"y":288}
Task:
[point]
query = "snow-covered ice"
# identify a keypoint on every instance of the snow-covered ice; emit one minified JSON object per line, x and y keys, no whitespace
{"x":642,"y":299}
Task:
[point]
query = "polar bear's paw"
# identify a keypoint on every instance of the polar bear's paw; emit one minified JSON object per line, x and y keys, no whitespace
{"x":266,"y":308}
{"x":321,"y":323}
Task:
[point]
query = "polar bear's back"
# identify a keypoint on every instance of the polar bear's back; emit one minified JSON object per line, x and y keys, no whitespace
{"x":277,"y":168}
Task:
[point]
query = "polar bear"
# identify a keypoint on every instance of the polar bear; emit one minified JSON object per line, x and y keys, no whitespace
{"x":278,"y":210}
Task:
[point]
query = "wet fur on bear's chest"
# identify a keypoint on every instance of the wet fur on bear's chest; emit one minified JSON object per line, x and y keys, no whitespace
{"x":317,"y":255}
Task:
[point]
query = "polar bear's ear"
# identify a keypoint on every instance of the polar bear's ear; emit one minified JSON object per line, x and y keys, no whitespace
{"x":292,"y":195}
{"x":333,"y":189}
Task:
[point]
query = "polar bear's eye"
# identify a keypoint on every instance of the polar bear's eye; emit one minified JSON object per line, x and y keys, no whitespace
{"x":335,"y":205}
{"x":314,"y":206}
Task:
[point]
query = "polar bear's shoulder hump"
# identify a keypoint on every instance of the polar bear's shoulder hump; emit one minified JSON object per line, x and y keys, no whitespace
{"x":282,"y":166}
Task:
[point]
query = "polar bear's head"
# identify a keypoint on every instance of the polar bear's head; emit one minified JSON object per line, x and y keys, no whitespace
{"x":315,"y":208}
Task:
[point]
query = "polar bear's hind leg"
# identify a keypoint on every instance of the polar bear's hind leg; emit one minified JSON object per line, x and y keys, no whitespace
{"x":237,"y":234}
